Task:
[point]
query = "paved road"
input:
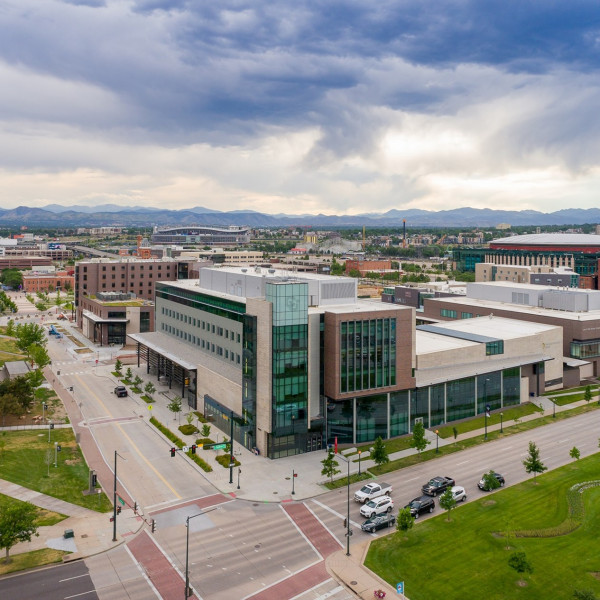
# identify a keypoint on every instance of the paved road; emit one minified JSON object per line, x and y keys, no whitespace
{"x":56,"y":583}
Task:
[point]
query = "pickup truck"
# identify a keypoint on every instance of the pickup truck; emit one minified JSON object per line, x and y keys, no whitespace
{"x":121,"y":391}
{"x":437,"y":485}
{"x":372,"y":490}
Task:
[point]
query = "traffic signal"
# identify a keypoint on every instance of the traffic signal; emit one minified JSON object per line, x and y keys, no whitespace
{"x":153,"y":525}
{"x":345,"y":523}
{"x":135,"y":508}
{"x":172,"y":451}
{"x":94,"y":479}
{"x":193,"y":448}
{"x":118,"y":510}
{"x":58,"y":448}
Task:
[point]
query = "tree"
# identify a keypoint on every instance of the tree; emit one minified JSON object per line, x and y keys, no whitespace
{"x":137,"y":381}
{"x":419,"y":441}
{"x":490,"y":481}
{"x":17,"y":524}
{"x":447,"y":501}
{"x":206,"y":430}
{"x":149,"y":389}
{"x":10,"y":327}
{"x":38,"y":355}
{"x":518,"y":561}
{"x":10,"y":405}
{"x":405,"y":520}
{"x":29,"y":333}
{"x":587,"y":395}
{"x":128,"y":374}
{"x":12,"y":278}
{"x":175,"y":406}
{"x":330,"y":466}
{"x":532,"y":463}
{"x":379,"y":453}
{"x":574,"y":453}
{"x":118,"y":366}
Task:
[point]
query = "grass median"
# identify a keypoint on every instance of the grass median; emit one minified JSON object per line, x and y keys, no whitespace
{"x":468,"y":556}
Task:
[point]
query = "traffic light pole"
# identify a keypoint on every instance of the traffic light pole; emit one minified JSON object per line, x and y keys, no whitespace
{"x":231,"y":462}
{"x":115,"y":499}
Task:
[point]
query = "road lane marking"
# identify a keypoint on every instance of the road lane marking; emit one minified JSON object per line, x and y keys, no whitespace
{"x":464,"y":462}
{"x":324,"y":526}
{"x":143,"y":572}
{"x":76,"y":577}
{"x":301,"y":533}
{"x":324,"y":596}
{"x":140,"y":454}
{"x":333,"y":512}
{"x":562,"y":441}
{"x":82,"y":594}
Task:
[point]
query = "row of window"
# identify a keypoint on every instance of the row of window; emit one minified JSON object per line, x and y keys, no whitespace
{"x":208,"y":327}
{"x":204,"y":344}
{"x":132,"y":267}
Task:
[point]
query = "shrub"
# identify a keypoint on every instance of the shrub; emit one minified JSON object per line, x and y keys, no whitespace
{"x":188,"y":429}
{"x":225,"y":460}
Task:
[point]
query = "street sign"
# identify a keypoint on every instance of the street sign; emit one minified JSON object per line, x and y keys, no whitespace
{"x":121,"y":500}
{"x":219,"y":447}
{"x":185,"y":449}
{"x":400,"y":587}
{"x":150,"y":407}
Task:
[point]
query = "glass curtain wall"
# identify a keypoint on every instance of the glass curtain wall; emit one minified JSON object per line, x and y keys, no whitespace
{"x":437,"y":397}
{"x":398,"y":413}
{"x":489,"y":391}
{"x":460,"y":399}
{"x":511,"y":386}
{"x":371,"y":418}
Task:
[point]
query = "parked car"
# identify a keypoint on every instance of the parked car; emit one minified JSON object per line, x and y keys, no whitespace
{"x":378,"y":522}
{"x":482,"y":486}
{"x":377,"y":506}
{"x":420,"y":505}
{"x":372,"y":491}
{"x":437,"y":485}
{"x":458,"y":493}
{"x":121,"y":391}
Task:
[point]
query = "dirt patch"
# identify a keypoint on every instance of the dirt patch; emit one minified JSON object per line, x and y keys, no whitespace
{"x":522,"y":583}
{"x":83,"y":350}
{"x":488,"y":503}
{"x":72,"y":461}
{"x":76,"y":341}
{"x":595,"y":574}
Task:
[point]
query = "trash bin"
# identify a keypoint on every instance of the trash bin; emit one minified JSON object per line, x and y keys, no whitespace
{"x":68,"y":534}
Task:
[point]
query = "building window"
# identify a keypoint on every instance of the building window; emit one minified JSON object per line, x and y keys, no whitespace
{"x":466,"y":315}
{"x":451,"y":314}
{"x":496,"y":347}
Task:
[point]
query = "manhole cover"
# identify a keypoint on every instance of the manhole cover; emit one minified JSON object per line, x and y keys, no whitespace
{"x":353,"y":583}
{"x":275,"y":492}
{"x":257,"y":546}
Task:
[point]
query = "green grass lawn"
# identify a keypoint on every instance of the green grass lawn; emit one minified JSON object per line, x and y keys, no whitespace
{"x":467,"y":557}
{"x":23,"y":460}
{"x":508,"y":417}
{"x":45,"y":517}
{"x":29,"y":560}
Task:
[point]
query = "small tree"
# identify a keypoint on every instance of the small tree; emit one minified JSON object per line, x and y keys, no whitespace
{"x":149,"y":389}
{"x":330,"y":466}
{"x":574,"y":453}
{"x":128,"y":374}
{"x":38,"y":355}
{"x":137,"y":381}
{"x":447,"y":501}
{"x":189,"y":418}
{"x":584,"y":595}
{"x":532,"y":463}
{"x":10,"y":328}
{"x":405,"y":520}
{"x":490,"y":482}
{"x":206,"y":430}
{"x":175,"y":406}
{"x":17,"y":524}
{"x":379,"y":453}
{"x":418,"y":440}
{"x":455,"y":433}
{"x":587,"y":395}
{"x":518,"y":561}
{"x":118,"y":366}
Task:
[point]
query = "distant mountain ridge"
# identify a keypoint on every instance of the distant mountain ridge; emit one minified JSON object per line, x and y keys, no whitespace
{"x":55,"y":215}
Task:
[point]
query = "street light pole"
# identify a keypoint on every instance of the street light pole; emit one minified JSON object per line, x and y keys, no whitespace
{"x":239,"y":471}
{"x":115,"y":498}
{"x":187,"y":550}
{"x":437,"y":441}
{"x":501,"y":430}
{"x":348,"y":532}
{"x":231,"y":461}
{"x":486,"y":405}
{"x":553,"y":408}
{"x":293,"y":481}
{"x":359,"y":452}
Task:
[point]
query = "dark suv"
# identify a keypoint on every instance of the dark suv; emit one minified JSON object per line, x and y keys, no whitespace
{"x":121,"y":391}
{"x":378,"y":522}
{"x":420,"y":505}
{"x":482,"y":484}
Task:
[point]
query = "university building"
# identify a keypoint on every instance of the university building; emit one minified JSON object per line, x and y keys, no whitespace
{"x":297,"y":361}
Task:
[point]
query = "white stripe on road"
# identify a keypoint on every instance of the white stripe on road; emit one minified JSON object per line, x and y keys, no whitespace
{"x":464,"y":462}
{"x":82,"y":594}
{"x":301,"y":533}
{"x":143,"y":572}
{"x":76,"y":577}
{"x":324,"y":596}
{"x":334,"y":512}
{"x":324,"y":526}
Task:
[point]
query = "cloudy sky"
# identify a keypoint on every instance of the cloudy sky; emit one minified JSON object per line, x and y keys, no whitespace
{"x":336,"y":107}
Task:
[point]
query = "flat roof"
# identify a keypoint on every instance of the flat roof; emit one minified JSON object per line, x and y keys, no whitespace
{"x":532,"y":286}
{"x":92,"y":317}
{"x":520,"y":309}
{"x":550,"y":239}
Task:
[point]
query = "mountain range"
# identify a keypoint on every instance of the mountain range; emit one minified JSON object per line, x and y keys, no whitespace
{"x":56,"y":215}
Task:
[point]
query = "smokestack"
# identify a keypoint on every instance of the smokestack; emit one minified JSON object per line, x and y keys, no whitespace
{"x":404,"y":233}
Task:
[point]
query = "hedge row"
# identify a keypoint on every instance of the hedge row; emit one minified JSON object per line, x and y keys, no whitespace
{"x":180,"y":444}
